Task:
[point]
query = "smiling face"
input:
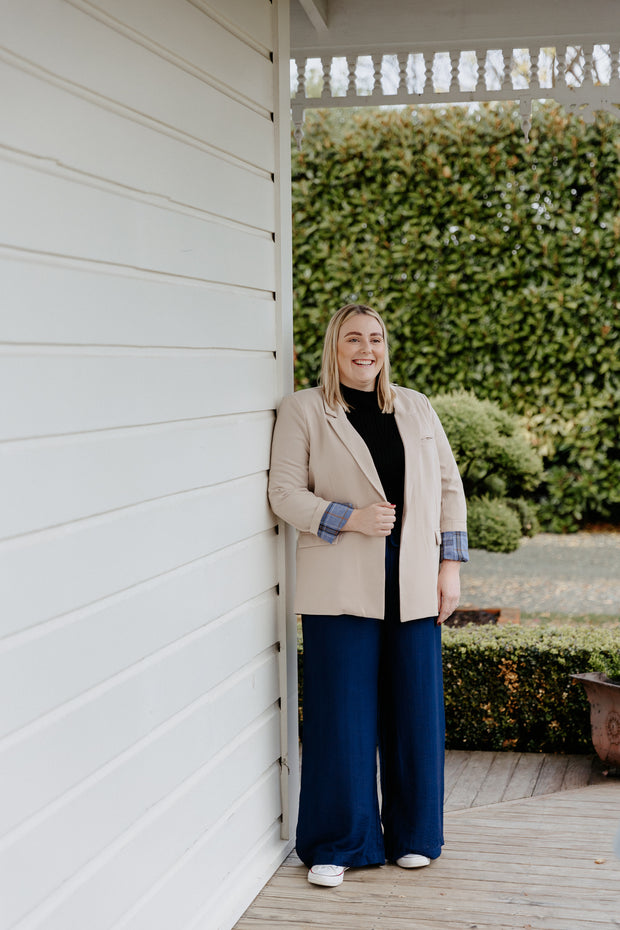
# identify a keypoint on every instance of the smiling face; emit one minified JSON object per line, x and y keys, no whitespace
{"x":361,"y":351}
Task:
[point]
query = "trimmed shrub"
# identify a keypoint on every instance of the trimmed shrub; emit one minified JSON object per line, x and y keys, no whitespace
{"x":608,"y":666}
{"x":492,"y":524}
{"x":494,"y":452}
{"x":497,"y":464}
{"x":527,"y":515}
{"x":509,"y":687}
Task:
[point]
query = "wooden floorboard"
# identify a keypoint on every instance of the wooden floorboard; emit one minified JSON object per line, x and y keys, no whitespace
{"x":540,"y":861}
{"x":524,"y":777}
{"x":551,"y":775}
{"x":497,"y":779}
{"x":579,"y":772}
{"x":467,"y":785}
{"x":456,"y":760}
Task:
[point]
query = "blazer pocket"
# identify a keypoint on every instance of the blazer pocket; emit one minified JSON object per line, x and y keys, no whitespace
{"x":428,"y":446}
{"x":309,"y":540}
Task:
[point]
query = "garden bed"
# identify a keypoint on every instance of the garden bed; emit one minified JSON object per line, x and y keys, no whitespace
{"x":480,"y":616}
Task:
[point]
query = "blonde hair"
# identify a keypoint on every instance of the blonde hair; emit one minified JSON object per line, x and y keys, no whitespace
{"x":330,"y":376}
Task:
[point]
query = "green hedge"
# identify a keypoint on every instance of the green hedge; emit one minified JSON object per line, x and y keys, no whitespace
{"x":495,"y":262}
{"x":509,"y":687}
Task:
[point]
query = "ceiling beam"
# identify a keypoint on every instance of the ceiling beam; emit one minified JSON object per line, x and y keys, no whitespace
{"x":367,"y":26}
{"x":317,"y":13}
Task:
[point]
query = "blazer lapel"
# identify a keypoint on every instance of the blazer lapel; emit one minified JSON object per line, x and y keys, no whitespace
{"x":411,"y":429}
{"x":348,"y":435}
{"x":408,"y":423}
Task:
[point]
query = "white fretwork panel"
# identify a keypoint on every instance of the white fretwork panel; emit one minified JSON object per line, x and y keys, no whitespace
{"x":586,"y":78}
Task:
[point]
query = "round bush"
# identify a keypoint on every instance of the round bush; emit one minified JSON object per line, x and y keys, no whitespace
{"x":527,"y":515}
{"x":494,"y":451}
{"x":493,"y":525}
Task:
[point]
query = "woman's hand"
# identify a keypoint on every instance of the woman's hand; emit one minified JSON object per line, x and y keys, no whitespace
{"x":448,"y":588}
{"x":374,"y":520}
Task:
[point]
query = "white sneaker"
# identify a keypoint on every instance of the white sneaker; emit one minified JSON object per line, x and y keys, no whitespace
{"x":328,"y":875}
{"x":413,"y":861}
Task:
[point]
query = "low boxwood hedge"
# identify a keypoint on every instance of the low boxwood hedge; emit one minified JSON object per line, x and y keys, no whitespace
{"x":509,"y":687}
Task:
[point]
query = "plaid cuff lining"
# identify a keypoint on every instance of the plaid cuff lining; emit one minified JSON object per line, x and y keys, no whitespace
{"x":333,"y":520}
{"x":454,"y":546}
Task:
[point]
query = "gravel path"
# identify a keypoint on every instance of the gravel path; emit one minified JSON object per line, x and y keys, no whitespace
{"x":574,"y":574}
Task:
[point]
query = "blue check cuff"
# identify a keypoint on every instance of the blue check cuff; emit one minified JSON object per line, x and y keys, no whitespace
{"x":333,"y":520}
{"x":454,"y":546}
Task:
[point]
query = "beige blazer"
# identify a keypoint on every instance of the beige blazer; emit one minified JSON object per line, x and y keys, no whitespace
{"x":318,"y":457}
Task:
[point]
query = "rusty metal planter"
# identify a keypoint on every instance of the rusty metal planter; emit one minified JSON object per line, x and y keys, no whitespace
{"x":604,"y":698}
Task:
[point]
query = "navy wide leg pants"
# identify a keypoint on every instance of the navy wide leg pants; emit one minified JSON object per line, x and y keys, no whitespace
{"x":370,"y":683}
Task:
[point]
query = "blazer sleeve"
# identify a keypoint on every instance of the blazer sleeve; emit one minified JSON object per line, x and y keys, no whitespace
{"x":289,"y":491}
{"x":453,"y":505}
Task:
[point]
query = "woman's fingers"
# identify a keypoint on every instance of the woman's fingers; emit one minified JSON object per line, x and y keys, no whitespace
{"x":447,"y":608}
{"x":448,"y":589}
{"x":385,"y":518}
{"x":374,"y":520}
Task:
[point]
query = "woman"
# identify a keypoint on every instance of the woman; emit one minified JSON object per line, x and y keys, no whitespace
{"x":362,"y":468}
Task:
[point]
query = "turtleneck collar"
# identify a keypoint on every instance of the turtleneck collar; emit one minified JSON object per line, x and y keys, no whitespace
{"x":360,"y":400}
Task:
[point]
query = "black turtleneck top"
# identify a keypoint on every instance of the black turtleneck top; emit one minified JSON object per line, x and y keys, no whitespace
{"x":380,"y":433}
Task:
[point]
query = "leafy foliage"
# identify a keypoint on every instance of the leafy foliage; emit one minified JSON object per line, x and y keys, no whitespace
{"x":492,"y":525}
{"x":494,"y":452}
{"x":527,"y":514}
{"x":495,"y":262}
{"x":509,"y":687}
{"x":608,"y":666}
{"x":583,"y":477}
{"x":497,"y":463}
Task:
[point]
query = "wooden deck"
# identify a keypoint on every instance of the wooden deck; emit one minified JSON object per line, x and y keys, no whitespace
{"x":528,"y":847}
{"x":474,"y":779}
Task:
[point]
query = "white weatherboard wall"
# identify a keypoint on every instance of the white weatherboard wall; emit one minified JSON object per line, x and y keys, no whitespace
{"x":144,"y":343}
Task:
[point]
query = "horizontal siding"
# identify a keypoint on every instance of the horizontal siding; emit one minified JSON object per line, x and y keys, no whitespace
{"x":83,"y":562}
{"x":92,"y":58}
{"x":257,"y":861}
{"x":252,"y":21}
{"x":179,"y":859}
{"x":140,"y":731}
{"x":38,"y":487}
{"x":124,"y":629}
{"x":140,"y":704}
{"x":204,"y":872}
{"x":96,"y":142}
{"x":195,"y":39}
{"x":155,"y":843}
{"x":103,"y":390}
{"x":107,"y":306}
{"x":130,"y":231}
